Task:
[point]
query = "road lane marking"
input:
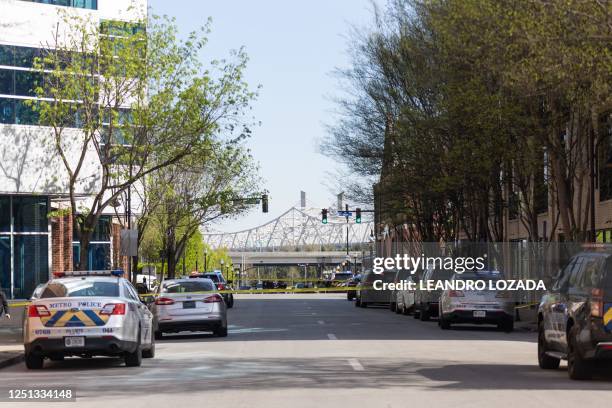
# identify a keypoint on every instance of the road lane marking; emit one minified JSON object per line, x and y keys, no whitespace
{"x":332,"y":336}
{"x":355,"y":364}
{"x":320,"y":322}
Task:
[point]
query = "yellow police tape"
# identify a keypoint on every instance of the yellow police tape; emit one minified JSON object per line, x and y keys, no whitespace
{"x":288,"y":290}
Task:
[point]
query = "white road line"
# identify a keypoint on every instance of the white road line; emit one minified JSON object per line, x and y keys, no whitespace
{"x":355,"y":364}
{"x":320,"y":322}
{"x":332,"y":336}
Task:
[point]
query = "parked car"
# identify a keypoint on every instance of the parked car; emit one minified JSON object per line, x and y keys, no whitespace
{"x":477,"y":306}
{"x":219,"y":280}
{"x":85,"y":314}
{"x":352,"y":283}
{"x":405,"y":300}
{"x":189,"y":305}
{"x":366,"y":294}
{"x":400,"y":275}
{"x":427,"y":301}
{"x":575,"y":315}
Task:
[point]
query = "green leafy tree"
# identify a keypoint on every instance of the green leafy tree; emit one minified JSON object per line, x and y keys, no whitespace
{"x":142,"y":101}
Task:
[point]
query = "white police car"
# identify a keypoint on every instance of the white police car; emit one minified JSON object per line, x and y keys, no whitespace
{"x":88,"y":313}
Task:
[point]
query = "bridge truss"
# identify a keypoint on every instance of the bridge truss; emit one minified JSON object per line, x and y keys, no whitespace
{"x":297,"y":229}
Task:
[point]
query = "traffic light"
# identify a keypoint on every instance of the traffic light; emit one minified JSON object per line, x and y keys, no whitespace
{"x":358,"y":215}
{"x":324,"y":215}
{"x":264,"y":203}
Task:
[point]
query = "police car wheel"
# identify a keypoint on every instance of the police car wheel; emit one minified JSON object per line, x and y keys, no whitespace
{"x":577,"y":367}
{"x":134,"y":359}
{"x":150,"y":352}
{"x":221,"y":332}
{"x":34,"y":361}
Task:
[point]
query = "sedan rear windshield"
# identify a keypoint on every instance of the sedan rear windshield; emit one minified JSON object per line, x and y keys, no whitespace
{"x":187,"y":287}
{"x":81,"y":288}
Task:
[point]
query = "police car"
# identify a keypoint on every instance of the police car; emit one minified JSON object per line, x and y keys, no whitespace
{"x":88,"y":313}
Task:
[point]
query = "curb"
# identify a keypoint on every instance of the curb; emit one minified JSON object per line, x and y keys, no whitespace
{"x":12,"y":361}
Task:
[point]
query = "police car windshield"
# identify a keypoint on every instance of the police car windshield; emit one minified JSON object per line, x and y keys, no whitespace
{"x":81,"y":288}
{"x":188,"y":286}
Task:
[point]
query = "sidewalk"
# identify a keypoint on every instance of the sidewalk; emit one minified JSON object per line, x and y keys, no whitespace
{"x":11,"y":338}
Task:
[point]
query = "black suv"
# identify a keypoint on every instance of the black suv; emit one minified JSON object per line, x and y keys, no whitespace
{"x":575,"y":316}
{"x":220,"y":282}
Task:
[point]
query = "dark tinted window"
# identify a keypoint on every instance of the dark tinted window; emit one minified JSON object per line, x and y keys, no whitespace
{"x":7,"y":111}
{"x":5,"y":214}
{"x":213,"y":277}
{"x":188,"y":286}
{"x":30,"y":262}
{"x":6,"y":82}
{"x":30,"y":214}
{"x":6,"y":55}
{"x":25,"y":114}
{"x":78,"y":288}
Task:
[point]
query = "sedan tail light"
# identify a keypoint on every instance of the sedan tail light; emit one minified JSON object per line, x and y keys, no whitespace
{"x":597,"y":302}
{"x":221,"y":286}
{"x":164,"y":301}
{"x":113,"y":309}
{"x":455,"y":293}
{"x":216,"y":298}
{"x":38,"y":311}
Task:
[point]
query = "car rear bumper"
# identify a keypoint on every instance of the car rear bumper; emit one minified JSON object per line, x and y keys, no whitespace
{"x":191,"y":325}
{"x":100,"y":346}
{"x":604,"y":351}
{"x":467,"y":316}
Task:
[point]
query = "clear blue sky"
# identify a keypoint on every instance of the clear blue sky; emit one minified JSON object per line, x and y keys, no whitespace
{"x":293,"y":47}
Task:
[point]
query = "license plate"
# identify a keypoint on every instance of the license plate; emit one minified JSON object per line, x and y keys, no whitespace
{"x":189,"y":304}
{"x":480,"y":313}
{"x":74,"y":341}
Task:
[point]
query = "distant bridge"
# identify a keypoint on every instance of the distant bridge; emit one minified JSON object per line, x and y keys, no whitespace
{"x":297,"y":230}
{"x":294,"y":258}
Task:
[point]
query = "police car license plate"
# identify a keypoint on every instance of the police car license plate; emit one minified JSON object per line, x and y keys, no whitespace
{"x":74,"y":341}
{"x":480,"y":313}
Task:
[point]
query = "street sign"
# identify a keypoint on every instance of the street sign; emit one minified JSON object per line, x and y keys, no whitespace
{"x":345,"y":213}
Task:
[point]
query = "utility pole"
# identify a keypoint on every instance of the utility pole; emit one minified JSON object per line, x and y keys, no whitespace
{"x":347,"y":229}
{"x":592,"y":154}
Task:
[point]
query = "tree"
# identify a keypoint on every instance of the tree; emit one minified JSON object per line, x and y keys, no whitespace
{"x":141,"y":101}
{"x":195,"y":192}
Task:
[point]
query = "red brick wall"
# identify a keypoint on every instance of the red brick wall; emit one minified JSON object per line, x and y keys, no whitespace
{"x":61,"y":244}
{"x":118,"y":260}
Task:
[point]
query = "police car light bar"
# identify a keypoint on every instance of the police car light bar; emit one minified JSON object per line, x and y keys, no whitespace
{"x":114,"y":272}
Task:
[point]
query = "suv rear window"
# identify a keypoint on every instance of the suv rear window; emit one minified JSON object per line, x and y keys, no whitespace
{"x":81,"y":288}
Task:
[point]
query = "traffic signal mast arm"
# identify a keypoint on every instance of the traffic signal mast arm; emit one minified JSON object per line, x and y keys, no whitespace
{"x":255,"y":200}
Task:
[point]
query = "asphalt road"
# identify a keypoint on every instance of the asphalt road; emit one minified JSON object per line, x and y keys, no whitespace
{"x":320,"y":351}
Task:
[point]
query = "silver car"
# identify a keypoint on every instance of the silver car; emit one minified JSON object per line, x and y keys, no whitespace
{"x":191,"y":304}
{"x":477,"y":306}
{"x":367,"y":295}
{"x":405,"y":300}
{"x":427,"y":301}
{"x":86,"y":314}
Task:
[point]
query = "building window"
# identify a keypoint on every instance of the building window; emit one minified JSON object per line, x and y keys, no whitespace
{"x":30,"y":214}
{"x":31,"y":264}
{"x":24,"y":244}
{"x":5,"y":264}
{"x":99,"y":252}
{"x":84,"y":4}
